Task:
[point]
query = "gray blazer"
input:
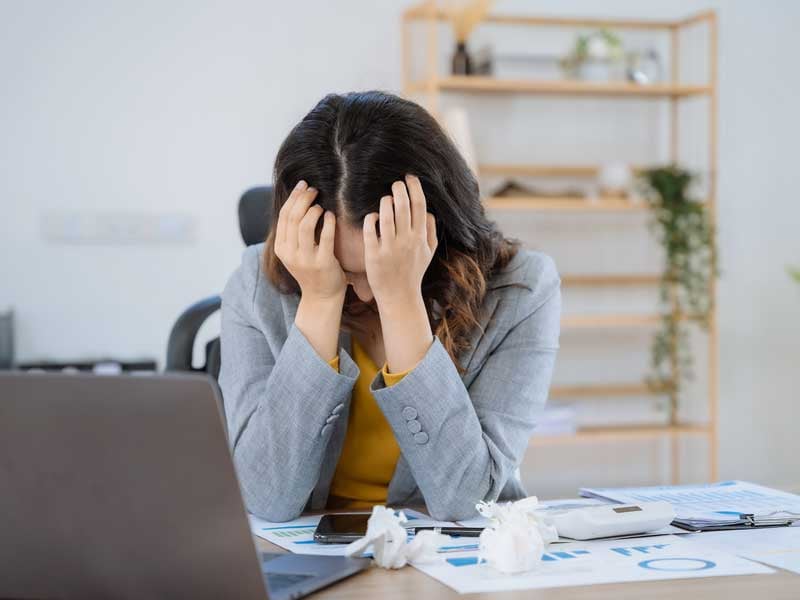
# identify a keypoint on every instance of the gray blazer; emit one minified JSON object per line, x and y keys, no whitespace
{"x":462,"y":437}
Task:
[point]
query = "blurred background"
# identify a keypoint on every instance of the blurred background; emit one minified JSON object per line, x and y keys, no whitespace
{"x":131,"y":129}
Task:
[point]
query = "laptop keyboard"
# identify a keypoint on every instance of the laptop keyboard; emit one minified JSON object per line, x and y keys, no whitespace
{"x":280,"y":581}
{"x":277,"y":581}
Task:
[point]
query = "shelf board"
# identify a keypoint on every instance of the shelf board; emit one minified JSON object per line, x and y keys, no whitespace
{"x":619,"y":434}
{"x":536,"y":170}
{"x":424,"y":10}
{"x":563,"y":204}
{"x":620,"y":279}
{"x":487,"y":84}
{"x":523,"y":170}
{"x":606,"y":389}
{"x":611,"y":320}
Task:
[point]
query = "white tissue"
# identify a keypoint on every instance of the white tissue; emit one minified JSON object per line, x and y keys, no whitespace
{"x":516,"y":537}
{"x":389,"y":540}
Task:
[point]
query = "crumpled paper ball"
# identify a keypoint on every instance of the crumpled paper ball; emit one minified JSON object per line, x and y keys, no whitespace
{"x":389,"y":540}
{"x":516,"y":537}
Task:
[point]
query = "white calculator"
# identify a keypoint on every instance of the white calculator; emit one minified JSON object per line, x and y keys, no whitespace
{"x":612,"y":520}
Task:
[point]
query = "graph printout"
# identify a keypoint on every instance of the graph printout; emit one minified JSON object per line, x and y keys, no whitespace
{"x":710,"y":502}
{"x":586,"y":563}
{"x":298,"y":536}
{"x":776,"y":546}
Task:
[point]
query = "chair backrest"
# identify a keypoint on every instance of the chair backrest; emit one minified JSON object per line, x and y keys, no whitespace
{"x":255,"y":216}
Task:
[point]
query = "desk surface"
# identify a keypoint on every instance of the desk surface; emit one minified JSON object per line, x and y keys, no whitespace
{"x":411,"y":583}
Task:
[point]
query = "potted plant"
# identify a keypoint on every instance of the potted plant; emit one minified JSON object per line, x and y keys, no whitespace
{"x":598,"y":56}
{"x":685,"y":232}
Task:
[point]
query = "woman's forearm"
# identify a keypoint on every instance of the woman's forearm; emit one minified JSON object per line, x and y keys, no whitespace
{"x":319,"y":320}
{"x":407,"y":334}
{"x":396,"y":263}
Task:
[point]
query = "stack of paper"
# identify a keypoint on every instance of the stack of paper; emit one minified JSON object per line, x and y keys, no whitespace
{"x":712,"y":506}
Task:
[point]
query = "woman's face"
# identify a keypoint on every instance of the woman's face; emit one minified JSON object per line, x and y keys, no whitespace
{"x":349,"y":250}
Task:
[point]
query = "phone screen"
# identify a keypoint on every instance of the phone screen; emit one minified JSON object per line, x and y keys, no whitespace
{"x":341,"y":529}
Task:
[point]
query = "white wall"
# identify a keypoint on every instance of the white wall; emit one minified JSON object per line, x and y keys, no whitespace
{"x":157,"y":108}
{"x":153,"y":107}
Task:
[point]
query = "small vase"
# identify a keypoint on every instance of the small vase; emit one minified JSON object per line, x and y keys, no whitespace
{"x":462,"y":64}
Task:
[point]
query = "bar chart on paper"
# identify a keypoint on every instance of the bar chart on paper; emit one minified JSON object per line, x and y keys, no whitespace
{"x":603,"y":561}
{"x":295,"y":536}
{"x":562,"y":555}
{"x":291,"y":532}
{"x":634,"y":550}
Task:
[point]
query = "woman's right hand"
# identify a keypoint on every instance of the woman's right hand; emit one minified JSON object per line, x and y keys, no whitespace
{"x":314,"y":266}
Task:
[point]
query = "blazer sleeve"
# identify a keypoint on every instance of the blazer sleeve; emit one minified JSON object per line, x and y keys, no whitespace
{"x":463,"y":444}
{"x":281,"y":406}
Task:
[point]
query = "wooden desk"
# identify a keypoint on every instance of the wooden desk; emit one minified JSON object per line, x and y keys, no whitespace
{"x":408,"y":582}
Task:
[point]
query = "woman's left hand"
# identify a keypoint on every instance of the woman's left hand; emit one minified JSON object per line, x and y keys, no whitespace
{"x":397,"y":260}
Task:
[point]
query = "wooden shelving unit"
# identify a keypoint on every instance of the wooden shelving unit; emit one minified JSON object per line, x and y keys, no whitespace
{"x":432,"y":85}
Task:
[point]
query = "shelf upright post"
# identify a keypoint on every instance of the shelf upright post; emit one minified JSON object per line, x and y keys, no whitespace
{"x":405,"y":53}
{"x":674,"y":149}
{"x":713,"y":333}
{"x":431,"y":80}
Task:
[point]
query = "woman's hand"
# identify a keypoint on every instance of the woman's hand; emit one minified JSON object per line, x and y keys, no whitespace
{"x":397,"y":260}
{"x":313,"y":265}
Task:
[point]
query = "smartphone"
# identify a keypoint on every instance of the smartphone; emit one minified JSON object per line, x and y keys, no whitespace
{"x":341,"y":529}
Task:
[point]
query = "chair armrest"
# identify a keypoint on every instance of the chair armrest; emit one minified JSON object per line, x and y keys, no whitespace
{"x":184,"y":332}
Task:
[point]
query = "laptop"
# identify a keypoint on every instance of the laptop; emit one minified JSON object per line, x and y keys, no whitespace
{"x":124,"y":487}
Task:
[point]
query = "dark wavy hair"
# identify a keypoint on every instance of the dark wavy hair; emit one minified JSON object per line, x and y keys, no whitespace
{"x":352,"y":147}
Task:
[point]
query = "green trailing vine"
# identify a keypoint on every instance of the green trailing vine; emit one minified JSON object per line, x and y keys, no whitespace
{"x":684,"y":229}
{"x":795,"y":273}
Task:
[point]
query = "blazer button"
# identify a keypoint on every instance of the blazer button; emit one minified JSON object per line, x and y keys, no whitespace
{"x":409,"y":413}
{"x":420,"y":438}
{"x":337,"y":409}
{"x":325,"y":430}
{"x":331,"y":419}
{"x":414,"y":426}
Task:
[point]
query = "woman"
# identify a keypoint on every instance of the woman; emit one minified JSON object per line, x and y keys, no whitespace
{"x":386,"y":344}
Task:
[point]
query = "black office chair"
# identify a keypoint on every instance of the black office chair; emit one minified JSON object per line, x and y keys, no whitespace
{"x":255,"y":213}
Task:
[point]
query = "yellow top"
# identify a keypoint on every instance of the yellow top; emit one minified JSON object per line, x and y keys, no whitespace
{"x":370,"y":451}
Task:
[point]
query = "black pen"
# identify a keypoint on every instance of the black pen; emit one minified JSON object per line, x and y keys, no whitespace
{"x":454,"y":531}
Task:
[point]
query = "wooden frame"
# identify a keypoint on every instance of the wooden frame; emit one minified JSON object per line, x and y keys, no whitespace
{"x":434,"y":84}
